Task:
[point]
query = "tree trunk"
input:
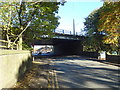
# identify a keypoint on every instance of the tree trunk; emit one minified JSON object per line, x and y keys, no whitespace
{"x":0,"y":37}
{"x":20,"y":43}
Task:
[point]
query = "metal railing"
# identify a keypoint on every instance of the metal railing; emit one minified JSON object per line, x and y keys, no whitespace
{"x":61,"y":31}
{"x":8,"y":45}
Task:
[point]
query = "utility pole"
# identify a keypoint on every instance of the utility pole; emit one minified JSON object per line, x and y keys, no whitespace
{"x":73,"y":27}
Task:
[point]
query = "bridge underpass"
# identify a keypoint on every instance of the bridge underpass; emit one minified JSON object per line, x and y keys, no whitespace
{"x":62,"y":46}
{"x":63,"y":43}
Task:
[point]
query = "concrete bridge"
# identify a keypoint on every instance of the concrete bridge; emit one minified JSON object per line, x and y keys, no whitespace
{"x":63,"y":44}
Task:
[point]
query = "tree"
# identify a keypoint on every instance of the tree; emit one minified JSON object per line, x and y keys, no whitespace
{"x":6,"y":10}
{"x":110,"y":23}
{"x":103,"y":27}
{"x":46,"y":23}
{"x":93,"y":41}
{"x":37,"y":17}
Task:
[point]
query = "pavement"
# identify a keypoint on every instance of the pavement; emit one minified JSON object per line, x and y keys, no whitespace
{"x":41,"y":75}
{"x":72,"y":72}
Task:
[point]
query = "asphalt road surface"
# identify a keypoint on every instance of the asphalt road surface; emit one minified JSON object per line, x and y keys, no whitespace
{"x":80,"y":72}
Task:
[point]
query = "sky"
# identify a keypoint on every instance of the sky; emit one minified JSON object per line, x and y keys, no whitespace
{"x":77,"y":10}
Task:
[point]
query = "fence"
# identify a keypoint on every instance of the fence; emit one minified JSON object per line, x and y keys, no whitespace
{"x":113,"y":59}
{"x":61,"y":31}
{"x":91,"y":54}
{"x":7,"y":45}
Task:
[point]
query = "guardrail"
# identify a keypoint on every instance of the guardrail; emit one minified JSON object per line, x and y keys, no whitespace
{"x":7,"y":45}
{"x":61,"y":31}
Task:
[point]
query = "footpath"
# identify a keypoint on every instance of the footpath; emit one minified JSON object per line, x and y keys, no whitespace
{"x":41,"y":75}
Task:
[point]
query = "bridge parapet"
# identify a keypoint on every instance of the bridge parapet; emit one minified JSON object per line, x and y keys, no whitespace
{"x":64,"y":34}
{"x":62,"y":31}
{"x":67,"y":36}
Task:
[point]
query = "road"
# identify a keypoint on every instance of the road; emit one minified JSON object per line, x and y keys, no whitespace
{"x":81,"y":72}
{"x":71,"y":72}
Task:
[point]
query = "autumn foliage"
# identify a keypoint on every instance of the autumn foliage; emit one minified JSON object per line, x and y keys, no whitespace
{"x":110,"y":22}
{"x":103,"y":27}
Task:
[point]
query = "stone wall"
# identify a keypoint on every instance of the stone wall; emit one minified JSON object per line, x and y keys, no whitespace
{"x":13,"y":65}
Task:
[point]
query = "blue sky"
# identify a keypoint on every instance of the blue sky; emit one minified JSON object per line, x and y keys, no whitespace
{"x":78,"y":10}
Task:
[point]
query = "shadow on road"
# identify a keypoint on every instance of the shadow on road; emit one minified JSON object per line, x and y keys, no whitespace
{"x":81,"y":72}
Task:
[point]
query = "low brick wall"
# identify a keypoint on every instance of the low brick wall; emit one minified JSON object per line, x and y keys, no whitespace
{"x":13,"y":65}
{"x":113,"y":59}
